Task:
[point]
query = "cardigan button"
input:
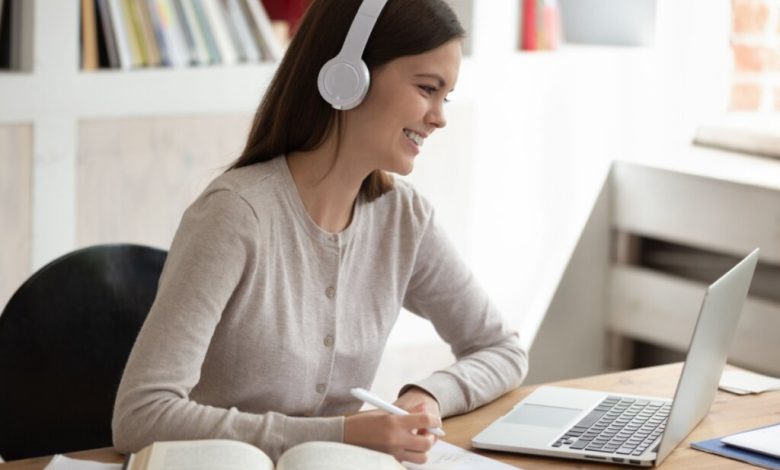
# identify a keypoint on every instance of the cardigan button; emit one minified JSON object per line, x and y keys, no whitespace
{"x":330,"y":292}
{"x":320,"y":388}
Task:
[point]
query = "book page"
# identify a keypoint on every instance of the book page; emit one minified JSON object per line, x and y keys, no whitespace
{"x":61,"y":462}
{"x":208,"y":455}
{"x":335,"y":456}
{"x":445,"y":456}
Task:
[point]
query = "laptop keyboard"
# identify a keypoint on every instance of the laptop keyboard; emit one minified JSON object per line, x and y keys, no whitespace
{"x":618,"y":425}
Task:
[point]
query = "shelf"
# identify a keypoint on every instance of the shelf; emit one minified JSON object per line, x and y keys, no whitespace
{"x":144,"y":92}
{"x":110,"y":93}
{"x":202,"y":90}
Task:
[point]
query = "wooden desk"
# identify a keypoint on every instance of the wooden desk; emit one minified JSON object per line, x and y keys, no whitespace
{"x":729,"y":414}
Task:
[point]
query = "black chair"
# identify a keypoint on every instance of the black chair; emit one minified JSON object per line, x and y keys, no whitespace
{"x":65,"y":336}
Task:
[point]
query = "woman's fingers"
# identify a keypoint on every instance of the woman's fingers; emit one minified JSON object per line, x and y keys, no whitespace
{"x":418,"y":443}
{"x":404,"y":437}
{"x":414,"y":457}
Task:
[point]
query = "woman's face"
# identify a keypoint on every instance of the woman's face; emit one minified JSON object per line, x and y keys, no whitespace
{"x":404,"y":105}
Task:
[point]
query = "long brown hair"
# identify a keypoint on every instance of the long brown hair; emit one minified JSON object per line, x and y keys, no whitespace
{"x":293,"y":117}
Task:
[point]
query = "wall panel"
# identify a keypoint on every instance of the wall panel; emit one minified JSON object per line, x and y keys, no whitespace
{"x":15,"y":207}
{"x":137,"y":176}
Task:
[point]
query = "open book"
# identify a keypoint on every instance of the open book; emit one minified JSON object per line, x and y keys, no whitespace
{"x":234,"y":455}
{"x":315,"y":455}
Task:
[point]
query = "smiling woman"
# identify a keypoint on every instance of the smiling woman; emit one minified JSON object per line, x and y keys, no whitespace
{"x":293,"y":116}
{"x":287,"y":274}
{"x":404,"y":106}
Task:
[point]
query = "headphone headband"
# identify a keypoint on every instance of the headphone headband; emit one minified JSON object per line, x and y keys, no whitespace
{"x":360,"y":31}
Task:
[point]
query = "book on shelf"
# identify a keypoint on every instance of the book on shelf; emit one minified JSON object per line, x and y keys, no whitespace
{"x":134,"y":39}
{"x":129,"y":34}
{"x":15,"y":31}
{"x":162,"y":33}
{"x":5,"y":34}
{"x":106,"y":33}
{"x":89,"y":37}
{"x":215,"y":17}
{"x":232,"y":30}
{"x":147,"y":31}
{"x":205,"y":29}
{"x":289,"y":12}
{"x":528,"y":35}
{"x":267,"y":39}
{"x":237,"y":17}
{"x":15,"y":37}
{"x":100,"y":39}
{"x":192,"y":34}
{"x":540,"y":25}
{"x":168,"y":33}
{"x":142,"y":20}
{"x":120,"y":34}
{"x":184,"y":32}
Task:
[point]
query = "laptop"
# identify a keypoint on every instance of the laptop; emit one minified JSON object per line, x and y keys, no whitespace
{"x":630,"y":429}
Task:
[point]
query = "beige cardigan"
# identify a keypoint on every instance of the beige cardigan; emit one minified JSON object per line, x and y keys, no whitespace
{"x":263,"y":321}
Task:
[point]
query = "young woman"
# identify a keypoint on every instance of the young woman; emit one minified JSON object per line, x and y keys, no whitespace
{"x":287,"y":273}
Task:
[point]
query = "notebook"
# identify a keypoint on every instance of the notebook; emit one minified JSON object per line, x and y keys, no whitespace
{"x":763,"y":440}
{"x":717,"y":447}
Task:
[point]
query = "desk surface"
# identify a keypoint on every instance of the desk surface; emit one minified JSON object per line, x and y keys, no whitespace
{"x":729,"y":414}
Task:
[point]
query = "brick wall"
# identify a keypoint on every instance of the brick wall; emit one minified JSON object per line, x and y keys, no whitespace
{"x":755,"y":44}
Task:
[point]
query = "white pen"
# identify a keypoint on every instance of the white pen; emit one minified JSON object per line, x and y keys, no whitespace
{"x":371,"y":399}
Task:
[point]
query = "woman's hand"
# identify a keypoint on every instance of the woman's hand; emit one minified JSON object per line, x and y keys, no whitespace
{"x":392,"y":434}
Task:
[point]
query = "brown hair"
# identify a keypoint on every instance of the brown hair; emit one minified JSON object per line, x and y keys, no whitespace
{"x":292,"y":115}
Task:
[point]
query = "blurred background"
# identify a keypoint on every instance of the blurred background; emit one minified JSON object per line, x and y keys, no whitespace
{"x":567,"y":177}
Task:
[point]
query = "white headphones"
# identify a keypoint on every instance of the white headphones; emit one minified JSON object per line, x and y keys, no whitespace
{"x":343,"y":80}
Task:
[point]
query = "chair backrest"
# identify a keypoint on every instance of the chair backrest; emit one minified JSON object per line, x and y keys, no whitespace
{"x":65,"y":336}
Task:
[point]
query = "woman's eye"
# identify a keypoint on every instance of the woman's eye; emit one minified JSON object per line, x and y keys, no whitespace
{"x":429,"y":90}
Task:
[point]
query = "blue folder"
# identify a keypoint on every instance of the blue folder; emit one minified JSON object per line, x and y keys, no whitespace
{"x":714,"y":446}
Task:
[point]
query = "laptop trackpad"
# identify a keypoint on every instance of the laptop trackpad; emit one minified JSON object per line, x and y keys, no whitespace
{"x":541,"y":415}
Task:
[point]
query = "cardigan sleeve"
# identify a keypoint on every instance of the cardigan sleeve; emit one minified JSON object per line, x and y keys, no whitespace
{"x":489,"y":359}
{"x":208,"y":264}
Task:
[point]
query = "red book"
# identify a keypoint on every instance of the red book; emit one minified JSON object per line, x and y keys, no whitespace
{"x":528,"y":39}
{"x":290,"y":11}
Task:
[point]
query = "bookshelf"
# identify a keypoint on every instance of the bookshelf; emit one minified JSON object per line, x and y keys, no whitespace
{"x":55,"y":96}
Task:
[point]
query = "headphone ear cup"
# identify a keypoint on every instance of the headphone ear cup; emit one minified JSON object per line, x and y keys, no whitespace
{"x":343,"y":83}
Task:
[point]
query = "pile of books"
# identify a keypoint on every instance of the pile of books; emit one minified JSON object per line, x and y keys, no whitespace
{"x":129,"y":34}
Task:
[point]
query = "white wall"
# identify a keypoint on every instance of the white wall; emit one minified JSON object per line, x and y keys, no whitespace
{"x":543,"y":128}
